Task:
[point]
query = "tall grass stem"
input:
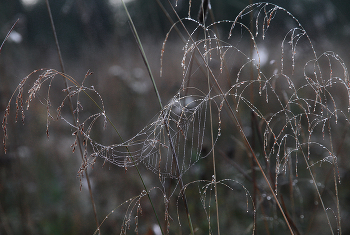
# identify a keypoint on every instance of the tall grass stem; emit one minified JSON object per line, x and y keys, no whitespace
{"x":72,"y":110}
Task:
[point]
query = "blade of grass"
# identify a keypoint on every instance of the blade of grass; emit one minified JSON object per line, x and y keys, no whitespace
{"x":143,"y":54}
{"x":8,"y":34}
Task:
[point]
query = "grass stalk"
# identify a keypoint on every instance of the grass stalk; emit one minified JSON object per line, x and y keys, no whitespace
{"x":143,"y":54}
{"x":72,"y":110}
{"x":202,"y":17}
{"x":8,"y":34}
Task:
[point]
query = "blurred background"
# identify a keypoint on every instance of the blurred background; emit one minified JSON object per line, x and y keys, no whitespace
{"x":39,"y":188}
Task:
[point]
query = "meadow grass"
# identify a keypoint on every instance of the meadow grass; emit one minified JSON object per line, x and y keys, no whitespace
{"x":249,"y":143}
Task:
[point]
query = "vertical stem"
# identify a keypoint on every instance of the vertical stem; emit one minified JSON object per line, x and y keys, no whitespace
{"x":72,"y":110}
{"x":252,"y":162}
{"x":56,"y":40}
{"x":214,"y":165}
{"x":203,"y":11}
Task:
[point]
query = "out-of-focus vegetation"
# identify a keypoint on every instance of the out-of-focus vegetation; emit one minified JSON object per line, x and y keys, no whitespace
{"x":39,"y":190}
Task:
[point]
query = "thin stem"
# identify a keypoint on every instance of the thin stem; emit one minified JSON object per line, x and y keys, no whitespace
{"x":203,"y":16}
{"x":139,"y":44}
{"x":71,"y":108}
{"x":8,"y":34}
{"x":55,"y":36}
